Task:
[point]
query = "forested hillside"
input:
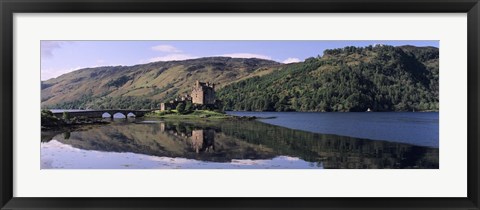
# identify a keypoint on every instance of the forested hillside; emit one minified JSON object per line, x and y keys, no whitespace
{"x":382,"y":78}
{"x":144,"y":86}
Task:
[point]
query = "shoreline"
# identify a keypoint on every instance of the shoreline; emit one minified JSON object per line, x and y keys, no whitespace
{"x":197,"y":115}
{"x":51,"y":123}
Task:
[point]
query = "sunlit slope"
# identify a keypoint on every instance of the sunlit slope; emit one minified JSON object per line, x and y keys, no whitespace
{"x":145,"y":85}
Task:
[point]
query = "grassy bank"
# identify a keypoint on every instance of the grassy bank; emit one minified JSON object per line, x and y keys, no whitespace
{"x":196,"y":114}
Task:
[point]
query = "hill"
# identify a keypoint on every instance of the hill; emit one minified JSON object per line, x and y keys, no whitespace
{"x":382,"y":78}
{"x":144,"y":86}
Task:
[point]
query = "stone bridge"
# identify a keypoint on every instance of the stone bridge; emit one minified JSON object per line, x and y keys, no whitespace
{"x":99,"y":113}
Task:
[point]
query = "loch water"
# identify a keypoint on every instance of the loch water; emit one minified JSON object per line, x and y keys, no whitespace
{"x":417,"y":128}
{"x":281,"y":141}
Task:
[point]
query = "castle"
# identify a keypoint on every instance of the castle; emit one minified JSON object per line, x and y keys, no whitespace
{"x":203,"y":93}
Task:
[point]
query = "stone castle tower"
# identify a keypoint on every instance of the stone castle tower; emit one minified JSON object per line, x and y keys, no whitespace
{"x":203,"y":93}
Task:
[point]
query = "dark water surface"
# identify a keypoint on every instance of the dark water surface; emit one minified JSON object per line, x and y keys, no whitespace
{"x":150,"y":143}
{"x":419,"y":128}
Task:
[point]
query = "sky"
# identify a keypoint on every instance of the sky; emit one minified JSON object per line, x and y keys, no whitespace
{"x":60,"y":57}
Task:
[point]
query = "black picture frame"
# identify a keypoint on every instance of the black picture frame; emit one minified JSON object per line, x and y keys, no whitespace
{"x":10,"y":7}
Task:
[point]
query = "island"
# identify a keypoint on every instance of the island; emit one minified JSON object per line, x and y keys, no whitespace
{"x":200,"y":104}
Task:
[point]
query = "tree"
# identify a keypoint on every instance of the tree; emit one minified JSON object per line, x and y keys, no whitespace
{"x":181,"y":108}
{"x":383,"y":78}
{"x":188,"y":107}
{"x":66,"y":135}
{"x":66,"y":116}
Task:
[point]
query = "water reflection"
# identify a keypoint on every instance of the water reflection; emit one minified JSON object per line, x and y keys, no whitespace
{"x":229,"y":141}
{"x":201,"y":140}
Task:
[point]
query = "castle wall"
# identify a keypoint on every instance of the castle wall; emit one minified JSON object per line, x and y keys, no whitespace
{"x":166,"y":106}
{"x":197,"y":95}
{"x":209,"y":97}
{"x":203,"y":93}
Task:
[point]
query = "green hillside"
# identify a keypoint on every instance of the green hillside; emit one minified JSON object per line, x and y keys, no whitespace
{"x":382,"y":78}
{"x":144,"y":86}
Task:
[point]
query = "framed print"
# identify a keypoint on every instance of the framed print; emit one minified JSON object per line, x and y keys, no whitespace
{"x":239,"y":105}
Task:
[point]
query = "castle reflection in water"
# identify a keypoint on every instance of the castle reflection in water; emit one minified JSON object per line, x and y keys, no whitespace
{"x":226,"y":141}
{"x":201,"y":140}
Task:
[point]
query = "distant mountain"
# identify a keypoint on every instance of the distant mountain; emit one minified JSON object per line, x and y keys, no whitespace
{"x":145,"y":85}
{"x":380,"y":78}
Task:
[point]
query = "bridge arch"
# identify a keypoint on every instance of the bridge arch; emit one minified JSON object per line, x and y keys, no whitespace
{"x":107,"y":115}
{"x":119,"y":115}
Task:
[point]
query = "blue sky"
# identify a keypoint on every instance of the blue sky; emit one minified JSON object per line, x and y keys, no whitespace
{"x":60,"y":57}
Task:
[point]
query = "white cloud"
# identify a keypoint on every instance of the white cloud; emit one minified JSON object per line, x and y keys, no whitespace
{"x":247,"y":55}
{"x":166,"y":48}
{"x":171,"y":57}
{"x":291,"y":60}
{"x":47,"y":47}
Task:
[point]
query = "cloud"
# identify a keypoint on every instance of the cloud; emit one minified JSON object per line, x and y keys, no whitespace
{"x":171,"y":57}
{"x":247,"y":55}
{"x":47,"y":47}
{"x":166,"y":48}
{"x":291,"y":60}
